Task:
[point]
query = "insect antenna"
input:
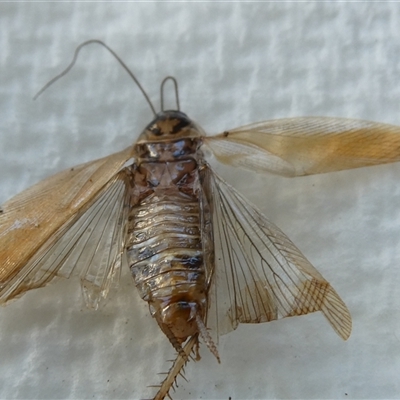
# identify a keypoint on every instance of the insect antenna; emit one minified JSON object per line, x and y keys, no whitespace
{"x":78,"y":49}
{"x":176,"y":92}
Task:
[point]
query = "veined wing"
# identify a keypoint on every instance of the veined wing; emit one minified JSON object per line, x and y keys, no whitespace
{"x":260,"y":275}
{"x":41,"y":226}
{"x":307,"y":145}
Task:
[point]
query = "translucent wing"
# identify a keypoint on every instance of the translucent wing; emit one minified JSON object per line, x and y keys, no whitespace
{"x":260,"y":275}
{"x":81,"y":209}
{"x":309,"y":145}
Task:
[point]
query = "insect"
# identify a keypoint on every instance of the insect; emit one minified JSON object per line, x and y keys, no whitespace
{"x":200,"y":254}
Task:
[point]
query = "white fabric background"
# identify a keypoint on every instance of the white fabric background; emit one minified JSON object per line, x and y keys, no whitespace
{"x":236,"y":64}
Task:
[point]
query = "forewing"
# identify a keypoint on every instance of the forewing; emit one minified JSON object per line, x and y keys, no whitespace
{"x":260,"y":275}
{"x":308,"y":145}
{"x":36,"y":224}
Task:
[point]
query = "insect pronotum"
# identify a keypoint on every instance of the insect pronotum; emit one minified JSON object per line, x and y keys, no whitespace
{"x":203,"y":258}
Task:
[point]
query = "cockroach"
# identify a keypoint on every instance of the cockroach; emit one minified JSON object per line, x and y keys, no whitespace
{"x":201,"y":255}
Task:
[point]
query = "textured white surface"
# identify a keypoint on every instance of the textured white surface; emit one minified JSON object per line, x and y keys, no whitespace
{"x":236,"y":64}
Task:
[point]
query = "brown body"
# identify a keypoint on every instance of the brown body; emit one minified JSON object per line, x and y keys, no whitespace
{"x":168,"y":250}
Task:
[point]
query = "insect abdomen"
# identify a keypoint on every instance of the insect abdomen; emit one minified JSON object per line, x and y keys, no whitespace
{"x":164,"y":246}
